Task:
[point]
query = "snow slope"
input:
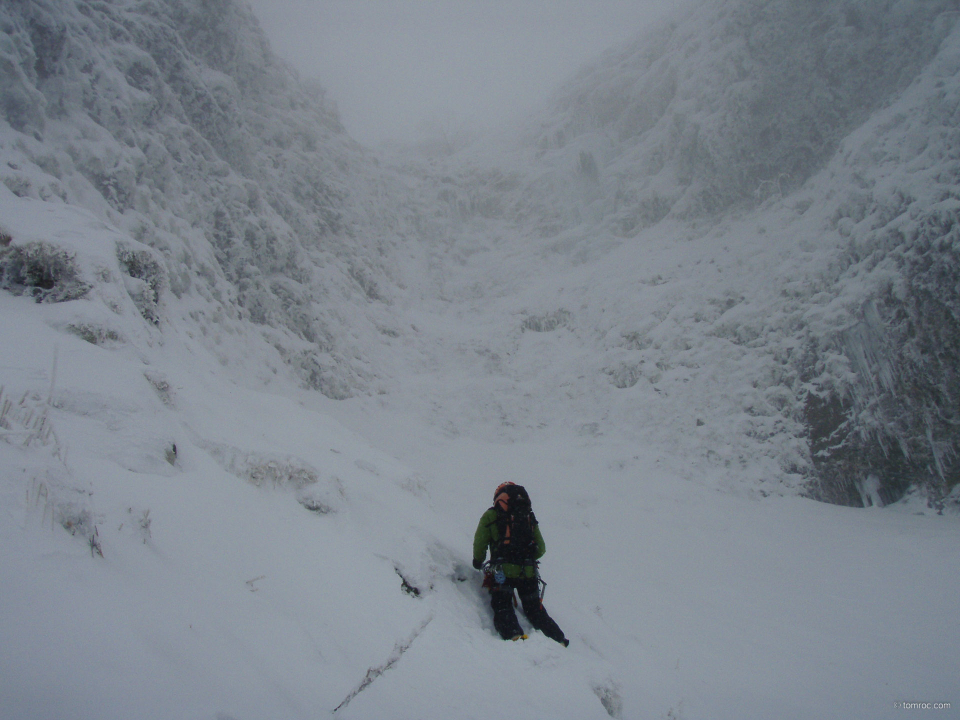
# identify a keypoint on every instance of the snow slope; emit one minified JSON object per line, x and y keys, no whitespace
{"x":219,"y":595}
{"x":174,"y":122}
{"x":192,"y":530}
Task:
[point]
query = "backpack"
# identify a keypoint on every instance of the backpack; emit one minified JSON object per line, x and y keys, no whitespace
{"x":515,"y":523}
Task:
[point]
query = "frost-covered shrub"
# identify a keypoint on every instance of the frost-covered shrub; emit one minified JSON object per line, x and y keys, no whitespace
{"x":326,"y":377}
{"x":625,"y":376}
{"x":364,"y":280}
{"x":149,"y":279}
{"x":26,"y":422}
{"x":587,"y":166}
{"x":42,"y":271}
{"x":95,"y":333}
{"x":18,"y":184}
{"x":142,"y":522}
{"x":79,"y":520}
{"x":161,"y":385}
{"x":323,"y":497}
{"x":548,"y":322}
{"x":67,"y":507}
{"x":264,"y":469}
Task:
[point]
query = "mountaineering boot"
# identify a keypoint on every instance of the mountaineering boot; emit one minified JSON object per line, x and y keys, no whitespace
{"x":518,"y":637}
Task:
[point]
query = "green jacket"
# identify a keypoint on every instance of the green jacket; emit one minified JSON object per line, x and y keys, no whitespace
{"x":488,"y":536}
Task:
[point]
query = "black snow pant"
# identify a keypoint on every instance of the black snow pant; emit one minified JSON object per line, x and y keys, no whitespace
{"x":504,"y":617}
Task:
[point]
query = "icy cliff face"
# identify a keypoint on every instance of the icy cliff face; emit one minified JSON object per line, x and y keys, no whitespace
{"x":174,"y":122}
{"x":884,"y":379}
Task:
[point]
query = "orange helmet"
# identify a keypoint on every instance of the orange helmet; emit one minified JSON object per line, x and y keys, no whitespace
{"x":497,"y":498}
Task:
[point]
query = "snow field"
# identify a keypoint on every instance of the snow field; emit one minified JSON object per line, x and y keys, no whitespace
{"x":687,"y":600}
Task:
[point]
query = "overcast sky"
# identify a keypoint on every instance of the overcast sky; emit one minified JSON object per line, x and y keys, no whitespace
{"x":394,"y":65}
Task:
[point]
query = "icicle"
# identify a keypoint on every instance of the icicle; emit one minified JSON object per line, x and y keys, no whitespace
{"x":869,"y":489}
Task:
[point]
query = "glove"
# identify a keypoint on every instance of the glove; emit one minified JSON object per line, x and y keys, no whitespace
{"x":478,"y":564}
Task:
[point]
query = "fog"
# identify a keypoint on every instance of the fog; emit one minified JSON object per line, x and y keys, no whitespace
{"x":399,"y":69}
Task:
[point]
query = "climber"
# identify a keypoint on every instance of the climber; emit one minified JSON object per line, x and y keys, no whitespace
{"x":511,"y":532}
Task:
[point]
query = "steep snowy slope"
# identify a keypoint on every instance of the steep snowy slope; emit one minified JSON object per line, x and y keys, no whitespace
{"x":174,"y":122}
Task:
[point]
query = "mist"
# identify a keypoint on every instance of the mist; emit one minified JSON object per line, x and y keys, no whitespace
{"x":400,"y":69}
